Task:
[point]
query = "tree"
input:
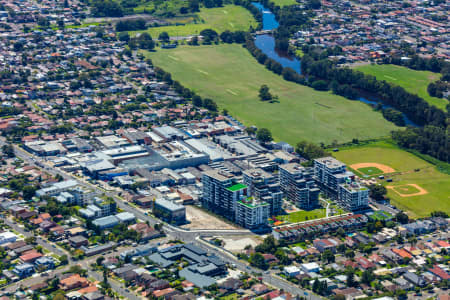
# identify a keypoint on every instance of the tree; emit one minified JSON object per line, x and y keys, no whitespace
{"x":264,"y":94}
{"x":257,"y":260}
{"x":264,"y":135}
{"x":106,"y":8}
{"x":28,"y":192}
{"x":267,"y":246}
{"x":349,"y":253}
{"x":63,"y":259}
{"x":328,"y":256}
{"x":351,"y":279}
{"x":367,"y":277}
{"x":100,"y":260}
{"x":377,"y":191}
{"x":209,"y":36}
{"x":320,"y":85}
{"x":197,"y":101}
{"x":60,"y":23}
{"x":124,"y":36}
{"x":439,"y":214}
{"x":309,"y":150}
{"x":164,"y":37}
{"x":8,"y":150}
{"x":402,"y":218}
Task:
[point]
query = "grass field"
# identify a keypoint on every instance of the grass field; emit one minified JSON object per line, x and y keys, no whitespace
{"x":303,"y":215}
{"x":284,"y":2}
{"x":434,"y":182}
{"x":232,"y":77}
{"x":371,"y":171}
{"x":413,"y":81}
{"x":228,"y":17}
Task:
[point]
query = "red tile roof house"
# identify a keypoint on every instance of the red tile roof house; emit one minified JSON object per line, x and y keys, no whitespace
{"x":270,"y":258}
{"x":30,"y":256}
{"x":364,"y":263}
{"x":437,"y":271}
{"x":402,"y":253}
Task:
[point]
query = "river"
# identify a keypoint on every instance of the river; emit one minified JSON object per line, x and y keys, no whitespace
{"x":266,"y":43}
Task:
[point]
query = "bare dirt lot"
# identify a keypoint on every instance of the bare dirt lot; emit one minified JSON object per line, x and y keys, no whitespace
{"x":200,"y":219}
{"x":238,"y":243}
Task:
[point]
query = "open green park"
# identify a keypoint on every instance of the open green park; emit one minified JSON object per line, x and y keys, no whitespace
{"x":228,"y":74}
{"x":284,"y":2}
{"x":412,"y":81}
{"x":412,"y":176}
{"x":228,"y":17}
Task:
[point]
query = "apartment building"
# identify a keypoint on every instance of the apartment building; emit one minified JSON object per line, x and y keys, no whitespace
{"x":264,"y":186}
{"x":216,"y":195}
{"x":353,"y":196}
{"x":251,"y":213}
{"x":298,"y":185}
{"x":340,"y":184}
{"x":329,"y":172}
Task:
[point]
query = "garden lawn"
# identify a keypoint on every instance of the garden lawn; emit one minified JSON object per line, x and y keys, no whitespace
{"x":228,"y":74}
{"x":228,"y":17}
{"x":437,"y":184}
{"x":303,"y":215}
{"x":413,"y":81}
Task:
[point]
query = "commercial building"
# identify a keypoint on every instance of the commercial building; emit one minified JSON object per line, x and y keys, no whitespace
{"x":169,"y":211}
{"x":265,"y":187}
{"x":172,"y":155}
{"x":44,"y":148}
{"x":106,"y":222}
{"x":57,"y":188}
{"x":298,"y":185}
{"x":111,"y":142}
{"x":202,"y":269}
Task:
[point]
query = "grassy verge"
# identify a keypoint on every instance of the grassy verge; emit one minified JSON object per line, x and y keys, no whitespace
{"x":413,"y":81}
{"x":228,"y":74}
